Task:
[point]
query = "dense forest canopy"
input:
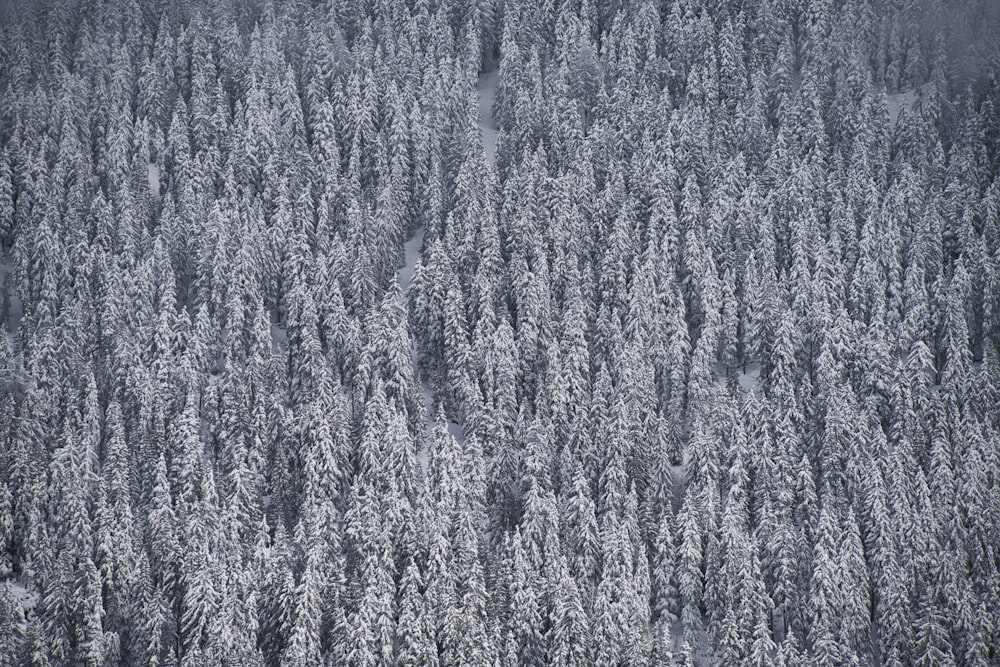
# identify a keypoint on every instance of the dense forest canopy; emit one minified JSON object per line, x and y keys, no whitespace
{"x":697,"y":364}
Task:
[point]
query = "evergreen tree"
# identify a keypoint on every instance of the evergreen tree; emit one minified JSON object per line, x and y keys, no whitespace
{"x":702,"y":370}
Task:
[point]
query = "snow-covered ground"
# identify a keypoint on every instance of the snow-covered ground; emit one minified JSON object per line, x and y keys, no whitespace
{"x":748,"y":381}
{"x":896,"y":103}
{"x":906,"y":99}
{"x":13,"y":303}
{"x":153,"y":174}
{"x":28,"y":599}
{"x":279,"y":334}
{"x":487,"y":91}
{"x":456,"y":431}
{"x":411,"y":253}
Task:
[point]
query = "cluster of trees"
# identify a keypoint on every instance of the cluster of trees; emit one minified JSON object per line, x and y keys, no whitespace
{"x":720,"y":329}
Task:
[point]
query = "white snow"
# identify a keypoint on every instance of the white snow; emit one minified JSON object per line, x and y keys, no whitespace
{"x":748,"y":381}
{"x":487,"y":92}
{"x":679,"y":471}
{"x":896,"y":103}
{"x":279,"y":338}
{"x":14,"y":308}
{"x":903,"y":100}
{"x":423,"y":450}
{"x":279,"y":335}
{"x":411,"y":252}
{"x":28,"y":599}
{"x":153,"y":174}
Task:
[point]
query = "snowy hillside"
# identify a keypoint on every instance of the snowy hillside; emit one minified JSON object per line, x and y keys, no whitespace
{"x":499,"y":333}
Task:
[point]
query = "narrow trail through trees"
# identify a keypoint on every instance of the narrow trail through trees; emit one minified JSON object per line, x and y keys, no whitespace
{"x":486,"y":90}
{"x":405,"y":275}
{"x":411,"y":254}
